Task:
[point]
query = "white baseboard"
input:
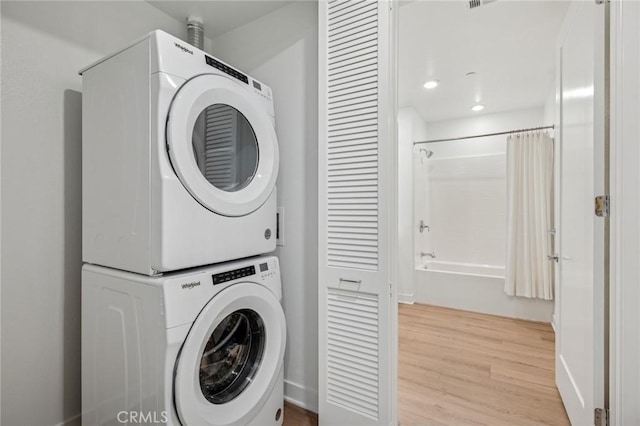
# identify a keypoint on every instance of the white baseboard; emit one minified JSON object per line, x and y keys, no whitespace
{"x":72,"y":421}
{"x":406,"y":298}
{"x":301,"y":396}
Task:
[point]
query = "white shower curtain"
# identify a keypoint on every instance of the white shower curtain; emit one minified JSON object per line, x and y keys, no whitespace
{"x":529,"y":215}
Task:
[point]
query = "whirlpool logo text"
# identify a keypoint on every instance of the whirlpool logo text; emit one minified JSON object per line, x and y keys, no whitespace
{"x":184,"y":49}
{"x":189,"y":286}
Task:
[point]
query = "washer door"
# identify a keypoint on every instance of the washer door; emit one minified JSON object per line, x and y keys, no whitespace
{"x":231,"y":357}
{"x":222,"y":146}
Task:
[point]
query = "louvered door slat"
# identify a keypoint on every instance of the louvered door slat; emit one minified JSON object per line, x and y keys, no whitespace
{"x":361,"y":113}
{"x":344,"y":61}
{"x":345,"y":7}
{"x":356,"y":68}
{"x":355,"y":197}
{"x":356,"y":85}
{"x":356,"y":77}
{"x":350,"y":109}
{"x":356,"y":242}
{"x":342,"y":382}
{"x":360,"y":393}
{"x":347,"y":374}
{"x":341,"y":145}
{"x":352,"y":8}
{"x":355,"y":16}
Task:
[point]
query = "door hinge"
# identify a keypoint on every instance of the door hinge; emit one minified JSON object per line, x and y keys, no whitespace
{"x":602,"y":206}
{"x":390,"y":289}
{"x":601,"y":417}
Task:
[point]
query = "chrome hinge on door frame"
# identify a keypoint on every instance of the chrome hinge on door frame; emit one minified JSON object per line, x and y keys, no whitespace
{"x":601,"y":417}
{"x":602,"y":206}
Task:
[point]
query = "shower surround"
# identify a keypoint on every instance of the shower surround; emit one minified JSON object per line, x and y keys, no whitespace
{"x":460,"y":195}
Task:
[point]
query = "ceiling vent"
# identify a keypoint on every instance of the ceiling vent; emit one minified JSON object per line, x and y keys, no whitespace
{"x":473,"y":4}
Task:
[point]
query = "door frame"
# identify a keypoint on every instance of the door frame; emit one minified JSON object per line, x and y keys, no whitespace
{"x":625,"y":216}
{"x":615,"y":169}
{"x":624,"y":341}
{"x":394,"y":206}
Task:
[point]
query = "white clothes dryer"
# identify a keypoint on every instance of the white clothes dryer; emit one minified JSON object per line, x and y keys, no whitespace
{"x":198,"y":347}
{"x":180,"y":159}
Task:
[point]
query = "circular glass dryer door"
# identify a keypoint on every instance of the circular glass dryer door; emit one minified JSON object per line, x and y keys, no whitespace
{"x":222,"y":146}
{"x":231,"y":357}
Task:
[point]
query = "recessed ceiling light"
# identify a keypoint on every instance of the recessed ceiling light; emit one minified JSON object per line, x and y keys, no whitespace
{"x":431,"y":84}
{"x":477,"y":107}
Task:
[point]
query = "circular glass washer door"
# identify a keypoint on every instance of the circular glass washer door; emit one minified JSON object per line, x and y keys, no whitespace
{"x":231,"y":357}
{"x":222,"y":146}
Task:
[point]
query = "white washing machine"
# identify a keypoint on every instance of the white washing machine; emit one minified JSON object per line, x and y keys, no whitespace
{"x":180,"y":159}
{"x":194,"y":348}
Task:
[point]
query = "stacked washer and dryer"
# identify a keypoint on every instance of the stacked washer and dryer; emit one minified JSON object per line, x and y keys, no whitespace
{"x":180,"y":160}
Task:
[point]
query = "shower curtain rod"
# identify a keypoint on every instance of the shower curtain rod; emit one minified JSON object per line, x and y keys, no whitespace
{"x":487,"y":134}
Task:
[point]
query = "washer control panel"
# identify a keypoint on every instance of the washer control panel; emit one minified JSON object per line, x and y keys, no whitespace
{"x":235,"y":274}
{"x":268,"y":269}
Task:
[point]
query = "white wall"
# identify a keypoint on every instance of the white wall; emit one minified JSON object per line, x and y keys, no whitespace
{"x":281,"y":49}
{"x":467,"y":188}
{"x":410,"y":128}
{"x":549,"y":112}
{"x":44,"y":44}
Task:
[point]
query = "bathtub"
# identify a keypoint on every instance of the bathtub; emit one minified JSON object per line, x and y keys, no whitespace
{"x":475,"y":287}
{"x":467,"y":269}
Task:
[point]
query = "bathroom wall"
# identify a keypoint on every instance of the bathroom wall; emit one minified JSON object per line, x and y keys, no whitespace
{"x":410,"y":128}
{"x":466,"y":191}
{"x":281,"y":49}
{"x":44,"y":44}
{"x":550,"y":108}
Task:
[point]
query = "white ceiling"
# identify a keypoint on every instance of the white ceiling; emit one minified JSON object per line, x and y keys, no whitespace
{"x":219,"y":16}
{"x":509,"y":44}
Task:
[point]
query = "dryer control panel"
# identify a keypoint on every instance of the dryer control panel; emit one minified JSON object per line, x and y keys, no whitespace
{"x":226,"y":69}
{"x":258,"y":88}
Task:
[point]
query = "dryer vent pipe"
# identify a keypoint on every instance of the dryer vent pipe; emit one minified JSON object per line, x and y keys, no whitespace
{"x":195,"y":32}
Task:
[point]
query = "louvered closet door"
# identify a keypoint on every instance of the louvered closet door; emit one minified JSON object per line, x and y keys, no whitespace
{"x":355,"y":153}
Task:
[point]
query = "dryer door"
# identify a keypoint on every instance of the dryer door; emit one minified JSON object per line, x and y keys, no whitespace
{"x":222,"y":146}
{"x":231,"y":357}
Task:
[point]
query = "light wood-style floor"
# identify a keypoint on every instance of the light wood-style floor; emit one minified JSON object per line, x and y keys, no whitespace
{"x":296,"y":416}
{"x":463,"y":368}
